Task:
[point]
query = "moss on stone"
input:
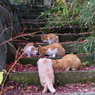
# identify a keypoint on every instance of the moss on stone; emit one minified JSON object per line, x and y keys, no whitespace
{"x":60,"y":77}
{"x":32,"y":61}
{"x":23,"y":77}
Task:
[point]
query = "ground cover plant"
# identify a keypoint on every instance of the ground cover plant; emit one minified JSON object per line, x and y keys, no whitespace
{"x":89,"y":45}
{"x":86,"y":15}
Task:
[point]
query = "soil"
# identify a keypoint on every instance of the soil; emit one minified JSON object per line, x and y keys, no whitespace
{"x":13,"y":88}
{"x":30,"y":68}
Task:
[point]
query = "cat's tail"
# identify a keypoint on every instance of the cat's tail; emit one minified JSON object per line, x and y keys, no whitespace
{"x":50,"y":86}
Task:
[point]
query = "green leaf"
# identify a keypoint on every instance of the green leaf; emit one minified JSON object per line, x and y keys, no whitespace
{"x":1,"y":77}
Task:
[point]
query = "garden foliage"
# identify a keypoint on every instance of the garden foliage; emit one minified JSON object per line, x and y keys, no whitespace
{"x":71,"y":12}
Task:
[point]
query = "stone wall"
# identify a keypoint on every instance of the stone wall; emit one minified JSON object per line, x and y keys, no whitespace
{"x":9,"y":27}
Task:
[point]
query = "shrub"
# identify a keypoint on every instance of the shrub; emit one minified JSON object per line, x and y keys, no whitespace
{"x":87,"y":15}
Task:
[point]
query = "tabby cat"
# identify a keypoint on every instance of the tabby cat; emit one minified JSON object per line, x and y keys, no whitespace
{"x":69,"y":61}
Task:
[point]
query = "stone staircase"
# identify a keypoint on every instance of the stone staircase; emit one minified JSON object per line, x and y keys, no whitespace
{"x":31,"y":19}
{"x":32,"y":22}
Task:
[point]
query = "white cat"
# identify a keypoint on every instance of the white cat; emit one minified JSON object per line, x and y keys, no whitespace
{"x":46,"y":74}
{"x":29,"y":50}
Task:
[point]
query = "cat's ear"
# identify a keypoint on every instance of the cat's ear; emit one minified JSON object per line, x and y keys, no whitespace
{"x":57,"y":65}
{"x":53,"y":60}
{"x":57,"y":61}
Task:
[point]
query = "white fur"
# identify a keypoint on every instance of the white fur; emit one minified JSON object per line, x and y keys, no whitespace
{"x":46,"y":74}
{"x":45,"y":41}
{"x":28,"y":51}
{"x":34,"y":52}
{"x":51,"y":41}
{"x":52,"y":53}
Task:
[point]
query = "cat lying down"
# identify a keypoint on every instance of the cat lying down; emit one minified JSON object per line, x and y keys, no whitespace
{"x":50,"y":38}
{"x":53,"y":50}
{"x":46,"y":74}
{"x":69,"y":61}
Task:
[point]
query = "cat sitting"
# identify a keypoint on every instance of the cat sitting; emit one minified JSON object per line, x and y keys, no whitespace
{"x":69,"y":61}
{"x":50,"y":38}
{"x":29,"y":50}
{"x":53,"y":50}
{"x":46,"y":74}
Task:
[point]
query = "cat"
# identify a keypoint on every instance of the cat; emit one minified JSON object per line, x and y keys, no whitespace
{"x":53,"y":50}
{"x":69,"y":61}
{"x":46,"y":74}
{"x":29,"y":50}
{"x":50,"y":38}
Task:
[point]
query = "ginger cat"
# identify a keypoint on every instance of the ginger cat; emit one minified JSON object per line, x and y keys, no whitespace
{"x":46,"y":74}
{"x":53,"y":50}
{"x":69,"y":61}
{"x":50,"y":38}
{"x":29,"y":50}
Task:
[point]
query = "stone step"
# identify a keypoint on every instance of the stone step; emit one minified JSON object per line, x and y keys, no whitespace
{"x":31,"y":8}
{"x":32,"y":13}
{"x":31,"y":17}
{"x":32,"y":30}
{"x":33,"y":60}
{"x":34,"y":25}
{"x":33,"y":20}
{"x":68,"y":29}
{"x":53,"y":29}
{"x":64,"y":77}
{"x":62,"y":37}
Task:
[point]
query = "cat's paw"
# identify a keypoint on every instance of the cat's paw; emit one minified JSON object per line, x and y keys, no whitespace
{"x":53,"y":55}
{"x":43,"y":91}
{"x":53,"y":91}
{"x":28,"y":56}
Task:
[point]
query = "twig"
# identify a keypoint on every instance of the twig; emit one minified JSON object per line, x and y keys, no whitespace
{"x":30,"y":34}
{"x":10,"y":71}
